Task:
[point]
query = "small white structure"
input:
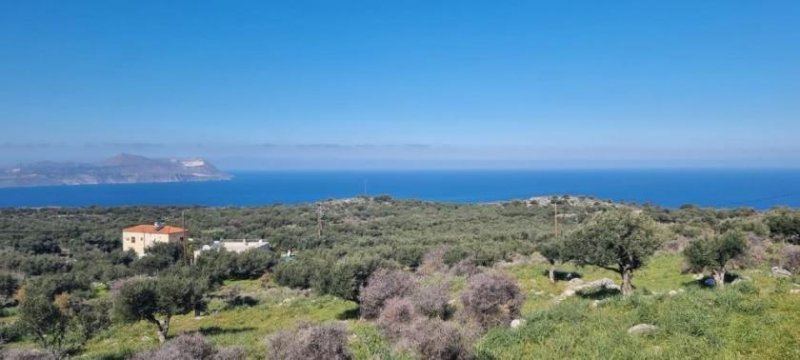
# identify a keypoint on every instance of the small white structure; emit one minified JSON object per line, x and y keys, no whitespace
{"x":235,"y":246}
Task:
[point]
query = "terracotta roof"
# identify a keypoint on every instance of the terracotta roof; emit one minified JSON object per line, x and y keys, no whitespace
{"x":151,"y":229}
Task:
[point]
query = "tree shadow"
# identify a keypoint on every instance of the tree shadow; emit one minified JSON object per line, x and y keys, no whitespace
{"x":216,"y":330}
{"x":707,"y":282}
{"x":243,"y":300}
{"x":351,"y":314}
{"x":563,"y":275}
{"x":599,"y":294}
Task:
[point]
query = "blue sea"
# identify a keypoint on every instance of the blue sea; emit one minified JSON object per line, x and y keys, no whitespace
{"x":669,"y":188}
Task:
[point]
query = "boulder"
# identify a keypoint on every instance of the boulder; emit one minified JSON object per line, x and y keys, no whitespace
{"x":777,"y":271}
{"x":516,"y":323}
{"x":579,"y":286}
{"x":642,"y":329}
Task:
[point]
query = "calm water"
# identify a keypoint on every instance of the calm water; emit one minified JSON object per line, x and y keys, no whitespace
{"x":670,"y":188}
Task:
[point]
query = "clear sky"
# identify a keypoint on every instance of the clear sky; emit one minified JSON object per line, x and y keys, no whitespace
{"x":403,"y":84}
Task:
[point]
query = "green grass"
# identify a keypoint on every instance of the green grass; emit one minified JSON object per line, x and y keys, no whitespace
{"x":754,"y":320}
{"x":242,"y":326}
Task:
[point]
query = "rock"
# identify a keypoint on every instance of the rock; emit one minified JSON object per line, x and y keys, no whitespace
{"x":577,"y":287}
{"x":698,"y":276}
{"x":672,"y":293}
{"x":576,"y":281}
{"x":794,"y":291}
{"x":516,"y":323}
{"x":777,"y":271}
{"x":642,"y":329}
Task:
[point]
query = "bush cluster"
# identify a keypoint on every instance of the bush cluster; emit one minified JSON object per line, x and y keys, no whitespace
{"x":310,"y":341}
{"x":383,"y":285}
{"x":190,"y":347}
{"x":492,"y":299}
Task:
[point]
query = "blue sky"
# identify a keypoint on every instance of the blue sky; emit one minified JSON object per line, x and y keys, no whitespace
{"x":403,"y":84}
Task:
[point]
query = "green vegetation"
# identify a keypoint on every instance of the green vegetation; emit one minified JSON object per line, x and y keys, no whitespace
{"x":714,"y":253}
{"x":618,"y":240}
{"x":402,"y":280}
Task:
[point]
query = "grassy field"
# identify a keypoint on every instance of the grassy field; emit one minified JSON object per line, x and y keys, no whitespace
{"x":754,"y":319}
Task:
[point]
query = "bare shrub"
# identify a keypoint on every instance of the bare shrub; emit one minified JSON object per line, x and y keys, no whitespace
{"x":491,"y":300}
{"x":432,"y":300}
{"x":790,"y":258}
{"x":433,"y":262}
{"x":396,"y":316}
{"x":25,"y":354}
{"x":190,"y":347}
{"x":382,"y":285}
{"x":438,"y":340}
{"x":324,"y":342}
{"x":466,"y":268}
{"x":230,"y":353}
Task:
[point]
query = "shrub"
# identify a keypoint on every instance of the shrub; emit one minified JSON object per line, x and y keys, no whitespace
{"x":295,"y":274}
{"x":438,"y":340}
{"x":491,"y":300}
{"x":383,"y":285}
{"x":190,"y":347}
{"x":9,"y":284}
{"x":466,"y":268}
{"x":310,"y":342}
{"x":790,"y":258}
{"x":25,"y":354}
{"x":345,"y":277}
{"x":433,"y":262}
{"x":432,"y":300}
{"x":396,"y":316}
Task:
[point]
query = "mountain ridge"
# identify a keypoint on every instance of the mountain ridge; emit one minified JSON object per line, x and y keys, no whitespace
{"x":120,"y":169}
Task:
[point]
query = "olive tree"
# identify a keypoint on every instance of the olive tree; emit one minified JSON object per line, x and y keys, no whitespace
{"x":554,"y":250}
{"x":50,"y":327}
{"x":157,"y":300}
{"x":713,"y":254}
{"x":617,"y":240}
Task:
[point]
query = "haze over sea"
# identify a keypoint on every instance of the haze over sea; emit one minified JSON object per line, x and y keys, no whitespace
{"x":669,"y":188}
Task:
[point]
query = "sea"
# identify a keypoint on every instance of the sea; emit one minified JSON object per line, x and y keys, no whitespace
{"x":726,"y":188}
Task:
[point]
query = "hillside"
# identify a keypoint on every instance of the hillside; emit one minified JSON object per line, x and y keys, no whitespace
{"x":120,"y":169}
{"x":436,"y":246}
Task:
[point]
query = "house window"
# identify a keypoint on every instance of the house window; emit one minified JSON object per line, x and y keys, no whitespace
{"x":133,"y":239}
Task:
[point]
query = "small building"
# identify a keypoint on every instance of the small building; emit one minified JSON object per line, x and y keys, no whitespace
{"x":235,"y":246}
{"x":138,"y":238}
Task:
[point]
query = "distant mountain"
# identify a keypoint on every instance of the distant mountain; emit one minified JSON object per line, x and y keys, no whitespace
{"x":120,"y":169}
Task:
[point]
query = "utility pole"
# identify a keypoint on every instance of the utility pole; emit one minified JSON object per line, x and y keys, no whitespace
{"x":319,"y":221}
{"x":186,"y":254}
{"x":555,"y":218}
